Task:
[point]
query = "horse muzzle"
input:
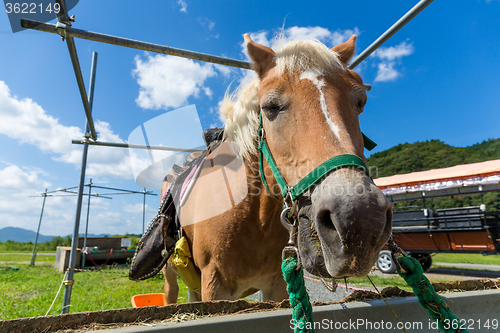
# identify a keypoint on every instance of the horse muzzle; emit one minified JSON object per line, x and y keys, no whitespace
{"x":345,"y":226}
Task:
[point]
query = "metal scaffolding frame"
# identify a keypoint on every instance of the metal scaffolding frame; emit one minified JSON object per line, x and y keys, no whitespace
{"x":46,"y":194}
{"x":68,"y":193}
{"x":64,"y":29}
{"x":118,"y":191}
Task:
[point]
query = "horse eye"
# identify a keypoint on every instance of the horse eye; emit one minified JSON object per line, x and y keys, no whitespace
{"x":361,"y":102}
{"x":271,"y":110}
{"x":273,"y":104}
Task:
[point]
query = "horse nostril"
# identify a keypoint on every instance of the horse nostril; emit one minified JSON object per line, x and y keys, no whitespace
{"x":325,"y":219}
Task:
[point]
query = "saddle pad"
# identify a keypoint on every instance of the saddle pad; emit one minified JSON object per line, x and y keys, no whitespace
{"x":158,"y":242}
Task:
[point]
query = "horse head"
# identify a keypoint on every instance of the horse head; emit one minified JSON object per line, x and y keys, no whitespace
{"x":309,"y":104}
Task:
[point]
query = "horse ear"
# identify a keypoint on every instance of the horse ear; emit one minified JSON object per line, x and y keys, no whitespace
{"x":346,"y":50}
{"x":262,"y":56}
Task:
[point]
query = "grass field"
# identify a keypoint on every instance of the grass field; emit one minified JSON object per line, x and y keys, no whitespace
{"x":29,"y":291}
{"x":6,"y":259}
{"x":383,"y":282}
{"x":466,"y":258}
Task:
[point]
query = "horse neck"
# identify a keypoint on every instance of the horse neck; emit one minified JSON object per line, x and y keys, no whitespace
{"x":269,"y":207}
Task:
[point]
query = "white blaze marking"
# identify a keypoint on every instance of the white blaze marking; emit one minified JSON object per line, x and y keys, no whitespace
{"x":313,"y":77}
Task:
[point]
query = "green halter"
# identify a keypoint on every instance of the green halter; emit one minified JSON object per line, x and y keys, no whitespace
{"x":315,"y":175}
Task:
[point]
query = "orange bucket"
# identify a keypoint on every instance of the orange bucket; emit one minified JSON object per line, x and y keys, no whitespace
{"x":148,"y":300}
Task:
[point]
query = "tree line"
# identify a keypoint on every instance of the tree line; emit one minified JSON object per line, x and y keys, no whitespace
{"x":51,"y":245}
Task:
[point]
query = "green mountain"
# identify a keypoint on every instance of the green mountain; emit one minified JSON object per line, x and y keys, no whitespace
{"x":21,"y":235}
{"x":421,"y":156}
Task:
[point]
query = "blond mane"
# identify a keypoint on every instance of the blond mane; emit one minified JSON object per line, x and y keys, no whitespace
{"x":240,"y":109}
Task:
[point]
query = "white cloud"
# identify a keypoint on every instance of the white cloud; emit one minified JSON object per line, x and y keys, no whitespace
{"x":329,"y":38}
{"x":388,"y":58}
{"x":27,"y":122}
{"x":394,"y":52}
{"x":137,"y":209}
{"x":16,"y":185}
{"x":183,"y":5}
{"x":207,"y":23}
{"x":208,"y":91}
{"x":18,"y":209}
{"x":168,"y":81}
{"x":319,"y":33}
{"x":386,"y":72}
{"x":13,"y":177}
{"x":226,"y":71}
{"x":106,"y":161}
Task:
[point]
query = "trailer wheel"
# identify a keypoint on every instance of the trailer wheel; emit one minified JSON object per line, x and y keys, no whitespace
{"x":424,"y":259}
{"x":385,"y":263}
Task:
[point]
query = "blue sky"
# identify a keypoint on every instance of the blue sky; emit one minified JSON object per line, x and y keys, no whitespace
{"x":437,"y":78}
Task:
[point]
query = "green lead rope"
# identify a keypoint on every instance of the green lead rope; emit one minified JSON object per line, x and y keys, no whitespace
{"x":413,"y":274}
{"x":299,"y":298}
{"x":427,"y":296}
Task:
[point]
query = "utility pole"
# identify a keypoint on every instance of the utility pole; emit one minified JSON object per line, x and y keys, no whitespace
{"x":33,"y":255}
{"x":87,"y":224}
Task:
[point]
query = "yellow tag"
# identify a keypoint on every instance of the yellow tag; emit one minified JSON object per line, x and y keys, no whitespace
{"x":185,"y":267}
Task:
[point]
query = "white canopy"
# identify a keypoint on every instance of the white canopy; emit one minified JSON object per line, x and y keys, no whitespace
{"x":474,"y":174}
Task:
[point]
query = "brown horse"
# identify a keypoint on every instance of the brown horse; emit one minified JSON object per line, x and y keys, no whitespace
{"x":309,"y":104}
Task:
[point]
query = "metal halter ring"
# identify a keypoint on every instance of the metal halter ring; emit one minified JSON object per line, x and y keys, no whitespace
{"x":290,"y":251}
{"x":285,"y":222}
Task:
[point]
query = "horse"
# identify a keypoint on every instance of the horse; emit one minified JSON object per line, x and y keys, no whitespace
{"x":298,"y":115}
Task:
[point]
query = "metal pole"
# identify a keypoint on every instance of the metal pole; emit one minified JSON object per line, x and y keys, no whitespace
{"x":69,"y":282}
{"x":33,"y":255}
{"x":117,"y":189}
{"x":390,"y":32}
{"x":143,"y":209}
{"x":65,"y":21}
{"x":81,"y":85}
{"x":87,"y":224}
{"x":134,"y":44}
{"x":127,"y":145}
